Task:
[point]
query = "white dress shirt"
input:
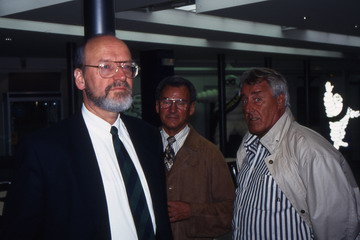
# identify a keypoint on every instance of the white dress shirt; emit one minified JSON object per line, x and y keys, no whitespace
{"x":121,"y":221}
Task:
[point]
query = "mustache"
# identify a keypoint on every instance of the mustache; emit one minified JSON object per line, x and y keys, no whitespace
{"x":118,"y":84}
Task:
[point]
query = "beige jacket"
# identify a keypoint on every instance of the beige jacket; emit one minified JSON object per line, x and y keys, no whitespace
{"x":315,"y":178}
{"x":201,"y":177}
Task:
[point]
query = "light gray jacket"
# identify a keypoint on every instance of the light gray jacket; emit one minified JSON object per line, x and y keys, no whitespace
{"x":314,"y":176}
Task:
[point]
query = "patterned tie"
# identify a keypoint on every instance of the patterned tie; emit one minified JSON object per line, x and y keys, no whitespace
{"x":169,"y":153}
{"x":135,"y":192}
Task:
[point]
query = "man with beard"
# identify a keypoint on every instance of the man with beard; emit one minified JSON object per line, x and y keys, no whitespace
{"x":71,"y":181}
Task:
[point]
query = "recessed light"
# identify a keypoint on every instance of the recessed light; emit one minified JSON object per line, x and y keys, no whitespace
{"x":356,"y":26}
{"x":304,"y":17}
{"x":8,"y":39}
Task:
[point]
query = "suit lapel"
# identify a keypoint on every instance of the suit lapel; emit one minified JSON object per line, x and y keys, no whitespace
{"x":188,"y":149}
{"x":88,"y":176}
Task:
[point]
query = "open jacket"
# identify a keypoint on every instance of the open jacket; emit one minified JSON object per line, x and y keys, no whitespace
{"x":58,"y":193}
{"x":315,"y":178}
{"x":201,"y":177}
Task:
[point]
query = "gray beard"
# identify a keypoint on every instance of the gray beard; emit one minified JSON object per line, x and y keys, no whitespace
{"x":120,"y":103}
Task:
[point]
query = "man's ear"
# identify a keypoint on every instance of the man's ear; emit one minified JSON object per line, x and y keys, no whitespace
{"x":281,"y":100}
{"x":192,"y":108}
{"x":79,"y":79}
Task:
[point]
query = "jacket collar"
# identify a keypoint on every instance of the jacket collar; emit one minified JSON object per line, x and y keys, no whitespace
{"x":190,"y":147}
{"x":273,"y":137}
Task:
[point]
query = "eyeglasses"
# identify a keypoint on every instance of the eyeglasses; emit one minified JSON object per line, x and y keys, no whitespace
{"x":109,"y":69}
{"x":179,"y":103}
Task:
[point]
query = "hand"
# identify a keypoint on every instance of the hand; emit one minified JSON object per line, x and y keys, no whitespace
{"x":178,"y":211}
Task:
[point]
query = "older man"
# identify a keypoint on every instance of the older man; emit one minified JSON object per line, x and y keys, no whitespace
{"x":199,"y":186}
{"x":98,"y":175}
{"x":292,"y":183}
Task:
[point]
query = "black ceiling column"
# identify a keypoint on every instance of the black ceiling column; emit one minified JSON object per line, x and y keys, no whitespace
{"x":99,"y":17}
{"x":155,"y":66}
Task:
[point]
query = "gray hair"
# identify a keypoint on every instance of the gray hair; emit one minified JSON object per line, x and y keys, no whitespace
{"x":276,"y":81}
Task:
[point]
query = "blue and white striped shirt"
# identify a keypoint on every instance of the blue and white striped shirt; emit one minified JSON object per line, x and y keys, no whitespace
{"x":261,"y":210}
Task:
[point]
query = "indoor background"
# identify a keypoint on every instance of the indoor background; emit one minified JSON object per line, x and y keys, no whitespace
{"x":309,"y":42}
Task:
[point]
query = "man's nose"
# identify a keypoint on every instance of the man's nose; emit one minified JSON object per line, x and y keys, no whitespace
{"x":246,"y":106}
{"x":173,"y":106}
{"x":119,"y":74}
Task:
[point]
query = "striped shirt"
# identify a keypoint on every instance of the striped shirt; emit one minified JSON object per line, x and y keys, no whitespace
{"x":261,"y":210}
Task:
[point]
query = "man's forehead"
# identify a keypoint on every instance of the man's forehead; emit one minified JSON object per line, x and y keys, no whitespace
{"x":254,"y":88}
{"x":107,"y":52}
{"x":105,"y":42}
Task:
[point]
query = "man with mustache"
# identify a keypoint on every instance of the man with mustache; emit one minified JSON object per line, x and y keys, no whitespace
{"x":292,"y":183}
{"x":199,"y":185}
{"x":76,"y":180}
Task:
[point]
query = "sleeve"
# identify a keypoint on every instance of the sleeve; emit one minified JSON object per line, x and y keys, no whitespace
{"x":332,"y":199}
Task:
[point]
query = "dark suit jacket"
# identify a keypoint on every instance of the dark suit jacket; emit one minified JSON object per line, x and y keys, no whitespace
{"x":58,"y":192}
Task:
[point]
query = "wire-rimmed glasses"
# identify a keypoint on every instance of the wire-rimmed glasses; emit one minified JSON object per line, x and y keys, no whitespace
{"x":179,"y":103}
{"x":110,"y":68}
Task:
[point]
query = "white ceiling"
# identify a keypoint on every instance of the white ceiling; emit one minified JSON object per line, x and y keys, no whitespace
{"x":42,"y":28}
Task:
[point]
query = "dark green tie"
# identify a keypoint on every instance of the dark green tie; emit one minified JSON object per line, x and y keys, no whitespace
{"x":135,"y":192}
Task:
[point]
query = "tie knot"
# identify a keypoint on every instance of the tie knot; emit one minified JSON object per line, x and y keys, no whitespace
{"x":114,"y":130}
{"x":171,"y":139}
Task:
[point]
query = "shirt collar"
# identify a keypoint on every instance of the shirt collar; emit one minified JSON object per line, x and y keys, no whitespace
{"x":93,"y":120}
{"x":272,"y":138}
{"x":180,"y":134}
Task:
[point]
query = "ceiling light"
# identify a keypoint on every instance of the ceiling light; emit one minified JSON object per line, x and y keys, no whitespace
{"x":188,"y":8}
{"x":8,"y":39}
